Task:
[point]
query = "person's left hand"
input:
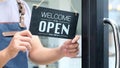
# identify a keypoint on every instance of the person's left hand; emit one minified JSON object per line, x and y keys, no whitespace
{"x":70,"y":48}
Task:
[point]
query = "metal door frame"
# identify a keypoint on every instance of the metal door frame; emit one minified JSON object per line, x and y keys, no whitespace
{"x":94,"y":34}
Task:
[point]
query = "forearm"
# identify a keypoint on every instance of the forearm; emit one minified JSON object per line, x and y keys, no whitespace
{"x":46,"y":55}
{"x":42,"y":55}
{"x":4,"y":57}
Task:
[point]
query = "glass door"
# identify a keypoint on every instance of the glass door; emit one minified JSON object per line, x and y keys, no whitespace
{"x":114,"y":14}
{"x":51,"y":42}
{"x":96,"y":44}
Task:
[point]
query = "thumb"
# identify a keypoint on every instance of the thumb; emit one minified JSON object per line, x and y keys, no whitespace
{"x":75,"y":39}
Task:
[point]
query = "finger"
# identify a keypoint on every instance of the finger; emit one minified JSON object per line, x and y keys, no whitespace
{"x":26,"y":44}
{"x":25,"y":39}
{"x":73,"y":46}
{"x":25,"y":33}
{"x":73,"y":50}
{"x":73,"y":54}
{"x":76,"y":39}
{"x":22,"y":38}
{"x":22,"y":48}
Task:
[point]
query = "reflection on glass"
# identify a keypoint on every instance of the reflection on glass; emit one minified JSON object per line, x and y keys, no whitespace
{"x":114,"y":13}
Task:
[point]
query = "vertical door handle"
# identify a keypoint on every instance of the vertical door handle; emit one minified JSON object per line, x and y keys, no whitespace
{"x":115,"y":29}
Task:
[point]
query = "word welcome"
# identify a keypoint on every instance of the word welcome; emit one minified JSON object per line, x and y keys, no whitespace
{"x":55,"y":16}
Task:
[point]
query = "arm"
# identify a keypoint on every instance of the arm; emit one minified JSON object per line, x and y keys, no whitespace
{"x":4,"y":57}
{"x":42,"y":55}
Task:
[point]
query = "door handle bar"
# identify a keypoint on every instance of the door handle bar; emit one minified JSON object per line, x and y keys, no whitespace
{"x":115,"y":29}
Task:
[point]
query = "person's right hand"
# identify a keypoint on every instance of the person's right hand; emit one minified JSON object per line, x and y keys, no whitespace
{"x":20,"y":42}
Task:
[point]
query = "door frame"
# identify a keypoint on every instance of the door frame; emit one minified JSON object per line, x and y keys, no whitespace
{"x":94,"y":34}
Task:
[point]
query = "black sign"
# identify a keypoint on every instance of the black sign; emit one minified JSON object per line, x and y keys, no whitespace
{"x":53,"y":23}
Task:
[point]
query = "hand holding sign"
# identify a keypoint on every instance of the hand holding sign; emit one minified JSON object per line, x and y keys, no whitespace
{"x":70,"y":47}
{"x":53,"y":23}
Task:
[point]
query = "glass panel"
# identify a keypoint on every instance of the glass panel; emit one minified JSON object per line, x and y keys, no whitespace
{"x":51,"y":42}
{"x":114,"y":13}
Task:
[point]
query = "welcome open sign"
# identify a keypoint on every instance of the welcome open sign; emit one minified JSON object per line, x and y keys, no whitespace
{"x":53,"y":23}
